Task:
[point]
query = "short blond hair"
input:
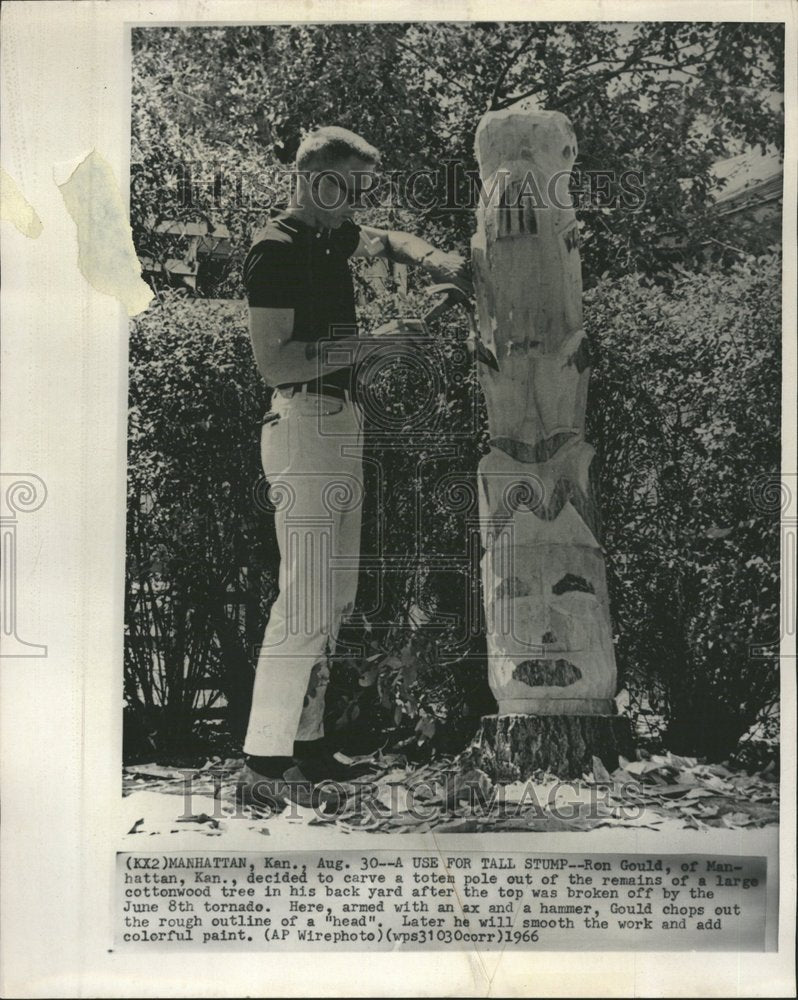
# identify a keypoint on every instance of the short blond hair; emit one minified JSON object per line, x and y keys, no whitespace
{"x":325,"y":147}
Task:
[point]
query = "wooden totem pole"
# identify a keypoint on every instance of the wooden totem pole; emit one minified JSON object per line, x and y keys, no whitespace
{"x":550,"y":654}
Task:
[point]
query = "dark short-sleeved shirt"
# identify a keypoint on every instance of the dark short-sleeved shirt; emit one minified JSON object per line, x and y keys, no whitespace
{"x":293,"y":266}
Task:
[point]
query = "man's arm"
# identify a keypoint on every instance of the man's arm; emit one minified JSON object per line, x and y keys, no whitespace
{"x":405,"y":248}
{"x":280,"y":359}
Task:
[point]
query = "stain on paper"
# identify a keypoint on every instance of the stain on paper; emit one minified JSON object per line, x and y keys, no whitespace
{"x":15,"y":207}
{"x":106,"y":255}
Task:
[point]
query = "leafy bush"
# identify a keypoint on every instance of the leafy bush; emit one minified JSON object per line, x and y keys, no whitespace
{"x":200,"y":556}
{"x":685,"y":413}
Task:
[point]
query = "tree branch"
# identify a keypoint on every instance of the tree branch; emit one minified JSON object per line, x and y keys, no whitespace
{"x":626,"y":66}
{"x":521,"y":48}
{"x":635,"y":60}
{"x":432,"y":66}
{"x":631,"y":60}
{"x":517,"y":97}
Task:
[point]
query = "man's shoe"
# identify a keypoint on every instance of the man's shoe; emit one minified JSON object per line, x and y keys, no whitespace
{"x":323,"y":793}
{"x":274,"y":794}
{"x":320,"y":764}
{"x":253,"y":789}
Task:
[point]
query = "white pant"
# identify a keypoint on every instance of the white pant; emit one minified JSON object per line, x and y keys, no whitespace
{"x":312,"y":460}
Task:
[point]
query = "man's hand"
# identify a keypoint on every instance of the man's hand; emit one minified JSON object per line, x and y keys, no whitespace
{"x":405,"y":248}
{"x":449,"y":267}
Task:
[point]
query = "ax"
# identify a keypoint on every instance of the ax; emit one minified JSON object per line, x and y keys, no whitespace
{"x":454,"y":295}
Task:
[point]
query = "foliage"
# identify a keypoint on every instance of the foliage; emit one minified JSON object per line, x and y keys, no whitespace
{"x":200,"y":557}
{"x":664,"y":99}
{"x":685,"y":414}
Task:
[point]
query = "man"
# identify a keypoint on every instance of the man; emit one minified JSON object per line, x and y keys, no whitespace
{"x":304,"y":339}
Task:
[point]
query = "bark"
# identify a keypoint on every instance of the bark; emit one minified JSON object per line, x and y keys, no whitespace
{"x":512,"y":747}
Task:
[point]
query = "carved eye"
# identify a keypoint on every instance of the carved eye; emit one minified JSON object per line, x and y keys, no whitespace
{"x":566,"y":152}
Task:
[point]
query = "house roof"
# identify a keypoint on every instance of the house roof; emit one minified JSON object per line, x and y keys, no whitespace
{"x":749,"y":177}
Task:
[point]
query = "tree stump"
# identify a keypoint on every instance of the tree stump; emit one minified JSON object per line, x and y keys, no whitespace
{"x":551,"y":661}
{"x":511,"y":747}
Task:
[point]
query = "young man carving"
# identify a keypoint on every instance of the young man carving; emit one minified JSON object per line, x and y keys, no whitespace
{"x":304,"y":339}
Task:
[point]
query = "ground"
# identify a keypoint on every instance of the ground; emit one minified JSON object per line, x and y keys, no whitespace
{"x":659,"y":792}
